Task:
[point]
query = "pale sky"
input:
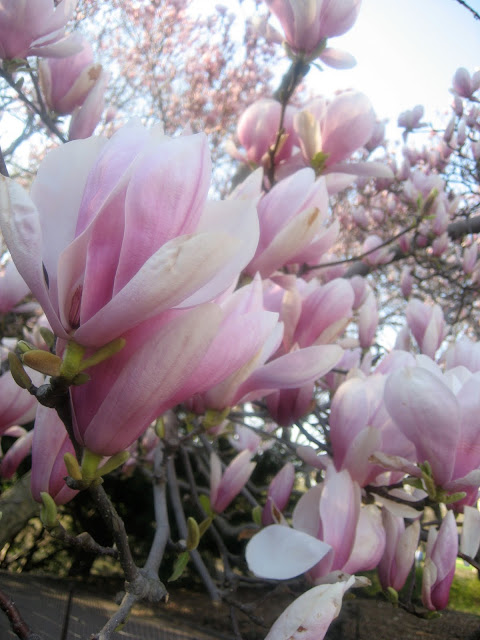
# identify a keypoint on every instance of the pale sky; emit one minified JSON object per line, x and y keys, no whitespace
{"x":407,"y":52}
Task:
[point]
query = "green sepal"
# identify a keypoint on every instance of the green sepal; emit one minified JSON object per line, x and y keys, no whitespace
{"x":43,"y":361}
{"x":193,"y":534}
{"x":414,"y":482}
{"x":19,"y":374}
{"x":73,"y":468}
{"x":391,"y":595}
{"x":318,"y":162}
{"x":213,"y":417}
{"x":206,"y":504}
{"x":257,"y":515}
{"x":318,"y":50}
{"x":89,"y":468}
{"x":48,"y":510}
{"x":23,"y":346}
{"x":429,"y":202}
{"x":431,"y":615}
{"x":203,"y":526}
{"x":113,"y":463}
{"x":454,"y":497}
{"x":48,"y":336}
{"x":160,"y":428}
{"x":72,"y":359}
{"x":80,"y":378}
{"x":179,"y":566}
{"x":105,"y":352}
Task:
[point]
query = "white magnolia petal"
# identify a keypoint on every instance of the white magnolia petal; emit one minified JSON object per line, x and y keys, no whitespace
{"x":280,"y":553}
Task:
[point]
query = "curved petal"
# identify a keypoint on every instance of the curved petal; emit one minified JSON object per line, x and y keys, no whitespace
{"x":280,"y":553}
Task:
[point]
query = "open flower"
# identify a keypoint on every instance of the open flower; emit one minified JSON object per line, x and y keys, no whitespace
{"x":308,"y":23}
{"x":35,"y":28}
{"x":116,"y":231}
{"x":118,"y":240}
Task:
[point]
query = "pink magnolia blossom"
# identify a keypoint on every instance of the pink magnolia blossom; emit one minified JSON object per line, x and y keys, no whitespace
{"x":248,"y":343}
{"x":17,"y":406}
{"x":399,"y":554}
{"x":367,"y":321}
{"x":324,"y":540}
{"x":224,"y":487}
{"x":463,"y":352}
{"x":337,"y":128}
{"x":307,"y":24}
{"x":257,"y":130}
{"x":427,"y":325}
{"x":411,"y":120}
{"x":86,"y":116}
{"x":439,"y":413}
{"x":19,"y":450}
{"x":36,"y":28}
{"x":361,"y":426}
{"x":66,"y":81}
{"x":470,"y":538}
{"x":312,"y":315}
{"x":464,"y":84}
{"x":278,"y":493}
{"x":469,"y":259}
{"x":406,"y":282}
{"x":317,"y":514}
{"x":50,"y":443}
{"x":292,"y":217}
{"x":439,"y":567}
{"x":114,"y":261}
{"x":376,"y":252}
{"x":369,"y":543}
{"x":116,"y":267}
{"x":13,"y":288}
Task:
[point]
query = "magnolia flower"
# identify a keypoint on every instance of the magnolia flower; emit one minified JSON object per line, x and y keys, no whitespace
{"x":65,"y":82}
{"x":278,"y":493}
{"x":292,"y":217}
{"x":257,"y":131}
{"x":12,"y":287}
{"x":400,"y":547}
{"x":139,"y":238}
{"x":117,"y":240}
{"x":17,"y":406}
{"x":224,"y":487}
{"x":50,"y":444}
{"x":439,"y":413}
{"x":35,"y":28}
{"x":439,"y":567}
{"x":307,"y":24}
{"x":427,"y":324}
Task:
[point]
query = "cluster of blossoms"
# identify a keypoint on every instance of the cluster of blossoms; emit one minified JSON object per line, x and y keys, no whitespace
{"x":158,"y":296}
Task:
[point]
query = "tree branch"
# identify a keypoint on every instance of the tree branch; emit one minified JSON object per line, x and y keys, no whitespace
{"x":455,"y":230}
{"x":19,"y":626}
{"x":469,"y":8}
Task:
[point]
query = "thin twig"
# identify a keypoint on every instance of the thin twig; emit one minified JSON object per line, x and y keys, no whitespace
{"x":176,"y":501}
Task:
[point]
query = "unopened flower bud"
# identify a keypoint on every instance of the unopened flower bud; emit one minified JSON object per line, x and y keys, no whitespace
{"x":43,"y":361}
{"x":48,"y":511}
